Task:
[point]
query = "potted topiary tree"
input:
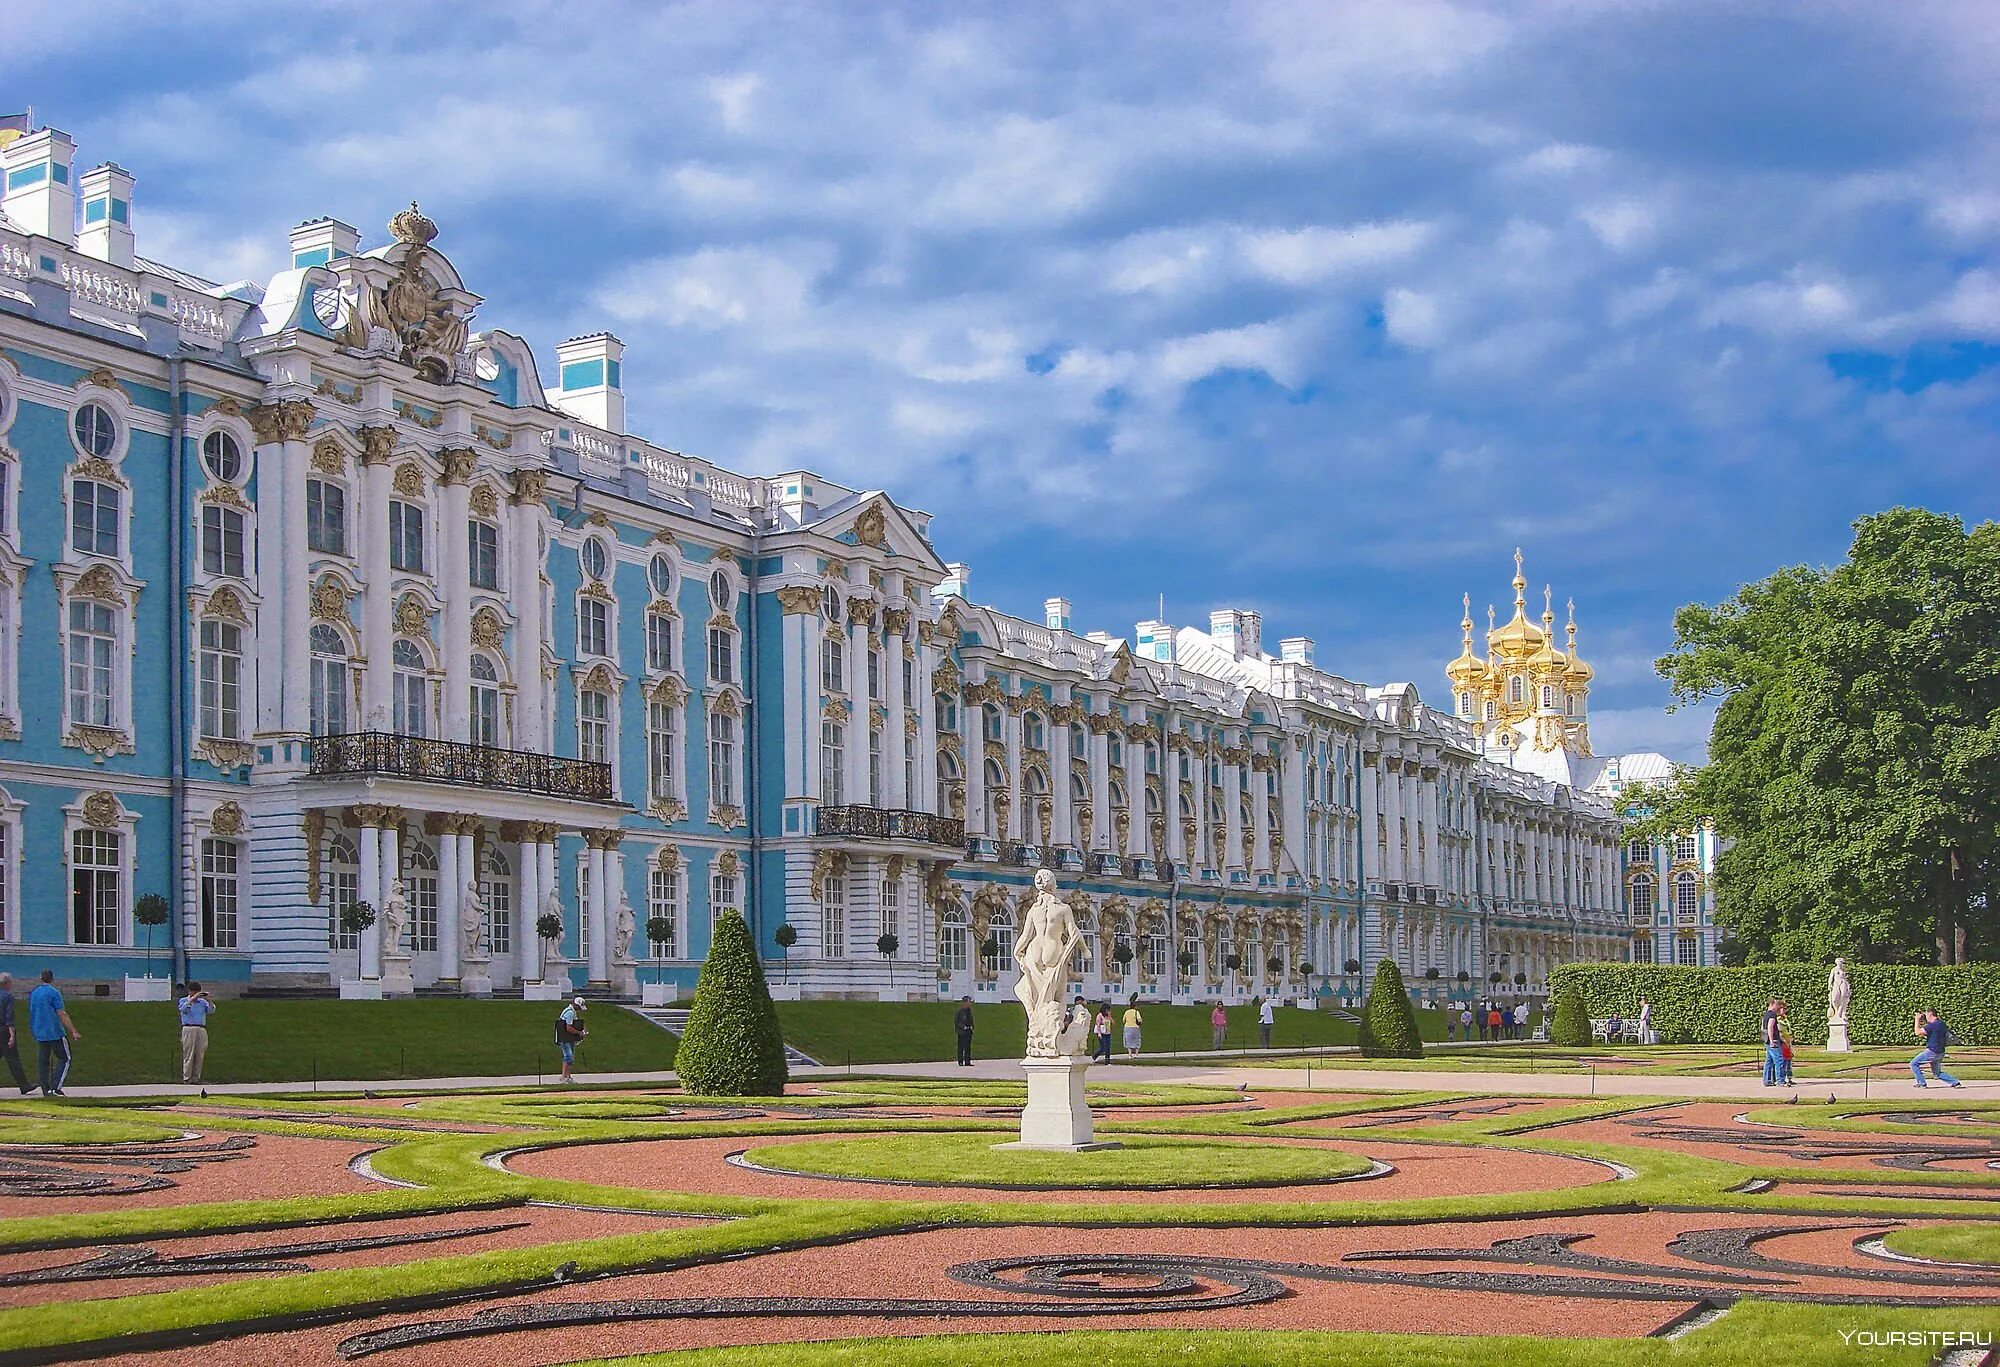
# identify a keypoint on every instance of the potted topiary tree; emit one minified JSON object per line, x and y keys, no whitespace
{"x":1570,"y":1026}
{"x":1274,"y":966}
{"x":152,"y":912}
{"x":1121,"y":954}
{"x":1187,"y":960}
{"x":1305,"y":979}
{"x":355,"y":919}
{"x":1520,"y":980}
{"x":659,"y":930}
{"x":549,"y":930}
{"x":785,"y":936}
{"x":886,"y":944}
{"x":1388,"y":1023}
{"x":1463,"y":977}
{"x":732,"y":1044}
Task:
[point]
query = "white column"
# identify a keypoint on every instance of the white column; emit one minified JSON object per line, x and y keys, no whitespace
{"x":1292,"y":799}
{"x":370,"y":892}
{"x":377,"y":605}
{"x":1260,"y":818}
{"x":1103,"y":833}
{"x":598,"y":858}
{"x":451,"y":884}
{"x":972,"y":737}
{"x":392,"y":862}
{"x":295,"y":706}
{"x":1203,"y":854}
{"x":1136,"y":834}
{"x":529,"y":862}
{"x":800,"y":633}
{"x":1392,"y":820}
{"x":530,"y":729}
{"x":1062,"y":828}
{"x":863,"y":710}
{"x":895,"y":735}
{"x":454,"y":586}
{"x":927,"y":798}
{"x":1232,"y":816}
{"x":1170,"y":793}
{"x":1010,"y":727}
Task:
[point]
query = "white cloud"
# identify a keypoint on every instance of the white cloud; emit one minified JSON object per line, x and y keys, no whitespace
{"x":1412,"y":319}
{"x":1304,"y":256}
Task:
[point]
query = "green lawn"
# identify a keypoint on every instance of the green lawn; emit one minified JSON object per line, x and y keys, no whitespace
{"x":1142,"y":1163}
{"x":297,"y":1041}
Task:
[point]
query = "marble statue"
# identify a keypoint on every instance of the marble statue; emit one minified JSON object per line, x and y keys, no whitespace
{"x":1041,"y":956}
{"x":472,"y":922}
{"x":1075,"y":1040}
{"x":625,"y":925}
{"x":395,"y":919}
{"x":1837,"y":993}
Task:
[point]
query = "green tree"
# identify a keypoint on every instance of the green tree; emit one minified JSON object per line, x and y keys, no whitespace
{"x":1388,"y":1021}
{"x":1570,"y":1025}
{"x":1854,"y":761}
{"x":732,"y":1045}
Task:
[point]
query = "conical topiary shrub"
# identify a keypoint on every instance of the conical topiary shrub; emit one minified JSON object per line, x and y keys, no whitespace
{"x":1570,"y":1026}
{"x":1388,"y":1021}
{"x":732,"y":1045}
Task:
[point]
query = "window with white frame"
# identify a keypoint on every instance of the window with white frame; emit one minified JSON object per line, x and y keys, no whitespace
{"x":660,"y":576}
{"x":991,"y":726}
{"x":875,"y":764}
{"x":909,"y":681}
{"x":583,"y":908}
{"x":482,"y":554}
{"x":92,"y":649}
{"x":721,"y":889}
{"x":95,"y":513}
{"x":892,"y":912}
{"x":96,"y":873}
{"x":874,"y":674}
{"x":721,"y":590}
{"x":663,"y":725}
{"x":327,"y":682}
{"x":1034,"y":733}
{"x":1687,"y":895}
{"x":1642,"y":896}
{"x":593,"y":558}
{"x":833,"y":664}
{"x":220,"y":675}
{"x":660,"y":642}
{"x":953,"y":942}
{"x":95,"y":429}
{"x":593,"y":626}
{"x":326,"y":517}
{"x":409,"y":689}
{"x":221,"y":541}
{"x":1687,"y":952}
{"x":219,"y":861}
{"x":832,"y":763}
{"x":1156,"y":951}
{"x":833,"y":917}
{"x":343,"y":888}
{"x":1639,"y":852}
{"x":663,"y":903}
{"x":485,"y":702}
{"x":721,"y":759}
{"x":593,"y":726}
{"x":7,"y":929}
{"x":1684,"y":848}
{"x":909,"y":775}
{"x":721,"y":654}
{"x":496,"y":889}
{"x":222,"y":456}
{"x":406,"y":536}
{"x":422,"y":886}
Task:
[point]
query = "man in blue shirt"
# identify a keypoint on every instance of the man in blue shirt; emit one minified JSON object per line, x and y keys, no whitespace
{"x":10,"y":1046}
{"x":48,"y":1022}
{"x":1936,"y":1037}
{"x":569,"y":1032}
{"x":196,"y":1007}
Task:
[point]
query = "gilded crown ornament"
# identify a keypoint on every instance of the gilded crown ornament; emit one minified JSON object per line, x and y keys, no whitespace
{"x":412,"y":226}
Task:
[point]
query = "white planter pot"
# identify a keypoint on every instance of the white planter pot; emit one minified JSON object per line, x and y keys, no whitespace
{"x":892,"y":994}
{"x":148,"y":989}
{"x":657,"y":994}
{"x":548,"y":990}
{"x":1306,"y":1004}
{"x":361,"y":989}
{"x":784,"y":992}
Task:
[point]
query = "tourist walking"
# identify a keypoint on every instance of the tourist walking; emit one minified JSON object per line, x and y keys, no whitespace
{"x":1465,"y":1024}
{"x":1784,"y":1046}
{"x":1100,"y":1029}
{"x":1936,"y":1035}
{"x":1132,"y":1023}
{"x":1645,"y":1021}
{"x":1218,"y":1026}
{"x":10,"y":1046}
{"x":1266,"y":1018}
{"x":196,"y":1007}
{"x":961,"y":1025}
{"x":49,"y":1023}
{"x":1450,"y":1022}
{"x":570,"y":1032}
{"x":1773,"y":1062}
{"x":1521,"y":1021}
{"x":1492,"y":1022}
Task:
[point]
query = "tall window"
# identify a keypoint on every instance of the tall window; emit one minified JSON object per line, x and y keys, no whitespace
{"x":721,"y":891}
{"x":221,"y":674}
{"x":422,"y":886}
{"x":721,"y":655}
{"x":93,"y":639}
{"x":662,"y":750}
{"x":953,"y":943}
{"x":593,"y":626}
{"x":93,"y":517}
{"x":892,"y":910}
{"x":1687,"y":952}
{"x":990,"y":722}
{"x":874,"y":674}
{"x":218,"y":894}
{"x":1684,"y":848}
{"x":663,"y":902}
{"x":659,"y":643}
{"x":482,"y":546}
{"x":408,"y":687}
{"x":832,"y":763}
{"x":406,"y":536}
{"x":1156,"y":951}
{"x":875,"y":764}
{"x":221,"y":541}
{"x":833,"y":918}
{"x":485,"y":703}
{"x":326,"y":517}
{"x":94,"y":871}
{"x":6,"y":857}
{"x":1516,"y":689}
{"x":343,"y":884}
{"x":496,"y":889}
{"x":721,"y":760}
{"x":1639,"y":852}
{"x":593,"y":725}
{"x":1687,"y":895}
{"x":327,"y":682}
{"x":833,"y":664}
{"x":1642,"y":896}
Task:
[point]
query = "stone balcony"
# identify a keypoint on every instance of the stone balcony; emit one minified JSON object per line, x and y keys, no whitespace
{"x":889,"y":823}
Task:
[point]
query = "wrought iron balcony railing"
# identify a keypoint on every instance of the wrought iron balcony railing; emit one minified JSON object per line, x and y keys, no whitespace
{"x":446,"y":761}
{"x":887,"y":823}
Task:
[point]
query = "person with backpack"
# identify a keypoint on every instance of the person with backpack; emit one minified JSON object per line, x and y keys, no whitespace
{"x":570,"y":1032}
{"x":1936,"y":1036}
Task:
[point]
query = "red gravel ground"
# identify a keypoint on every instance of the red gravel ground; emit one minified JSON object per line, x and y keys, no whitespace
{"x":913,"y":1265}
{"x":697,"y":1165}
{"x":276,"y":1167}
{"x":541,"y":1225}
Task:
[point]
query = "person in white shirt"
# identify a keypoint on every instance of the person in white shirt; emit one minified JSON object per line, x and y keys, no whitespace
{"x":1266,"y":1018}
{"x":1645,"y":1021}
{"x":1521,"y":1021}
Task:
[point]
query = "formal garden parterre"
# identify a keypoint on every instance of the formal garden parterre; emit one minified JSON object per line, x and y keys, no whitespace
{"x":592,"y":1223}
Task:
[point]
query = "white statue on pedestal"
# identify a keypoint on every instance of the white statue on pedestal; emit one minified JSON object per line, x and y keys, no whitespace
{"x":395,"y":921}
{"x":1041,"y":955}
{"x":625,"y":925}
{"x":1837,"y":994}
{"x":1075,"y":1039}
{"x":472,"y":923}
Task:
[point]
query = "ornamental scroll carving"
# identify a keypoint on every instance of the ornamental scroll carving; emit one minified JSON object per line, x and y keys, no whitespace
{"x":799,"y":600}
{"x":226,"y":819}
{"x":488,"y":631}
{"x":411,"y":618}
{"x":329,"y":600}
{"x":286,"y":420}
{"x":871,"y":528}
{"x":101,"y":810}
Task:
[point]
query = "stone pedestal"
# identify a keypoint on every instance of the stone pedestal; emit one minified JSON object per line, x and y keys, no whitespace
{"x":396,"y":979}
{"x":547,"y":990}
{"x":624,"y":980}
{"x":1056,"y":1116}
{"x":784,"y":992}
{"x":361,"y":989}
{"x":148,"y":989}
{"x":1836,"y":1038}
{"x":476,"y":980}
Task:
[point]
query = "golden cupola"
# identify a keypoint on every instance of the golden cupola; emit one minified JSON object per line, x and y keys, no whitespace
{"x":1547,"y":663}
{"x":1580,"y":674}
{"x":1520,"y":638}
{"x":1468,"y":671}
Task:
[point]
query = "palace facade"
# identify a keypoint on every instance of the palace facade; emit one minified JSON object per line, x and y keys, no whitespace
{"x":314,"y":594}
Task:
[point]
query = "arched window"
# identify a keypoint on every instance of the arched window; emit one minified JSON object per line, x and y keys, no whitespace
{"x":327,"y":682}
{"x":833,"y":663}
{"x":496,"y":889}
{"x":1517,"y":689}
{"x":221,"y":541}
{"x":1548,"y":696}
{"x":1464,"y":704}
{"x":343,"y":881}
{"x":593,"y":726}
{"x":1001,"y":928}
{"x":408,"y":686}
{"x":1079,"y":789}
{"x":485,"y":702}
{"x":1687,"y":895}
{"x":990,"y":720}
{"x":1642,"y":896}
{"x":1492,"y":709}
{"x":421,"y":883}
{"x":221,"y":680}
{"x":1083,"y":960}
{"x":832,"y":763}
{"x":953,"y":942}
{"x":996,"y":797}
{"x":1034,"y":732}
{"x":1156,"y":949}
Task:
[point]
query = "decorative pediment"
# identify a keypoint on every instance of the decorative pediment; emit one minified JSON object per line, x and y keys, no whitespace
{"x":669,"y":690}
{"x":412,"y":618}
{"x":483,"y":501}
{"x":329,"y":599}
{"x":101,"y":810}
{"x":100,"y":583}
{"x":227,"y":605}
{"x":329,"y":457}
{"x":488,"y":630}
{"x":410,"y":481}
{"x":601,"y":679}
{"x":726,"y":705}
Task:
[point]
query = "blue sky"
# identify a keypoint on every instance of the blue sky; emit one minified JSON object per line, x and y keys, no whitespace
{"x":1320,"y":308}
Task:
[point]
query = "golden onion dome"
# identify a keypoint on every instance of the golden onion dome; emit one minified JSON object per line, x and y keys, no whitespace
{"x":1468,"y":670}
{"x":1547,"y":660}
{"x":1519,"y":638}
{"x":1580,"y":674}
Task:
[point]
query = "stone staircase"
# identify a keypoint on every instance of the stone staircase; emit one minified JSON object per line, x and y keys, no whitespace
{"x":673,"y":1020}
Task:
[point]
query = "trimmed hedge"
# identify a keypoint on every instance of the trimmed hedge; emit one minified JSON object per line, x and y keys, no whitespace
{"x":1725,"y":1005}
{"x":1388,"y":1021}
{"x":1569,"y":1026}
{"x":732,"y":1045}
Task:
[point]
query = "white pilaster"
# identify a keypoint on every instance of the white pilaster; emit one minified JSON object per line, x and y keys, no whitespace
{"x":455,"y":585}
